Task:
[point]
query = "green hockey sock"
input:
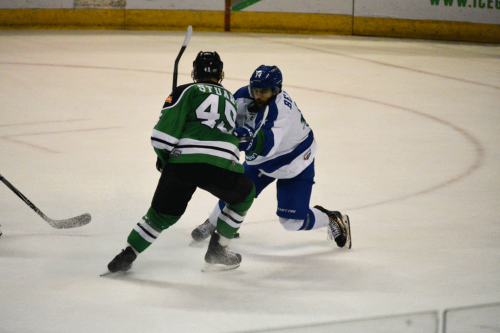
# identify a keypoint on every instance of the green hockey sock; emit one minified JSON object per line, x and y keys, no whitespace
{"x":231,"y":217}
{"x":149,"y":228}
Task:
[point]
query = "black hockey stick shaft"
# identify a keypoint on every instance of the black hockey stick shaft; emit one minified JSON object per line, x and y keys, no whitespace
{"x":20,"y":195}
{"x":184,"y":45}
{"x":73,"y":222}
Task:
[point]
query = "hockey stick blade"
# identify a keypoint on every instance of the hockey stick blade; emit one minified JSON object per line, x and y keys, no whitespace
{"x":184,"y":45}
{"x":188,"y":36}
{"x":73,"y":222}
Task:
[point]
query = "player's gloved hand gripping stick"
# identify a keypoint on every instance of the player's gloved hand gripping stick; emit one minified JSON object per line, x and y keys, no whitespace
{"x":254,"y":135}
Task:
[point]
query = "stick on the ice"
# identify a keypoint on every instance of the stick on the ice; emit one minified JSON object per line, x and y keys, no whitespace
{"x":184,"y":45}
{"x":73,"y":222}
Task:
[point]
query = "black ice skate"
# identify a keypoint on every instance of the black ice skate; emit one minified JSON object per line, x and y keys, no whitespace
{"x":122,"y":262}
{"x":339,"y":227}
{"x":203,"y":231}
{"x":219,"y":258}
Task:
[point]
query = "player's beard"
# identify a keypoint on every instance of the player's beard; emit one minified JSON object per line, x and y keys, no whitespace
{"x":260,"y":103}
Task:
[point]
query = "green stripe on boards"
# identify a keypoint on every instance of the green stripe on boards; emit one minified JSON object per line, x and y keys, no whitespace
{"x":237,"y":5}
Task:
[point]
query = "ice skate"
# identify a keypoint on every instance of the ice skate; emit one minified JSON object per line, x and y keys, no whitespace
{"x":339,"y":228}
{"x":219,"y":258}
{"x":122,"y":262}
{"x":203,"y":231}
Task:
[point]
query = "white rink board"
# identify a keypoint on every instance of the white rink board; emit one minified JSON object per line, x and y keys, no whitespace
{"x":344,"y":7}
{"x":340,"y":7}
{"x":474,"y":319}
{"x":20,"y":4}
{"x":411,"y":323}
{"x":176,"y":5}
{"x":475,"y":11}
{"x":425,"y":10}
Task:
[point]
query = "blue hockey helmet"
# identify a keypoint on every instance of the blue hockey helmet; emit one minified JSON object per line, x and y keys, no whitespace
{"x":267,"y":77}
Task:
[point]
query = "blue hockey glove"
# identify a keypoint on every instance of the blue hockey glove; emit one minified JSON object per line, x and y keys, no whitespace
{"x":247,"y":145}
{"x":245,"y":134}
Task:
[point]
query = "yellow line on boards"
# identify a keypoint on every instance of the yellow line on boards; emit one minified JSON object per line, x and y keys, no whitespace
{"x":293,"y":23}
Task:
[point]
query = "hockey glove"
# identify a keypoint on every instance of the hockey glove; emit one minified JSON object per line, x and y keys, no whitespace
{"x":245,"y":134}
{"x":159,"y":164}
{"x":247,"y":145}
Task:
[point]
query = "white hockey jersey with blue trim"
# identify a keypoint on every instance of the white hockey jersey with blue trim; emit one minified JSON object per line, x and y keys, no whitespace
{"x":289,"y":145}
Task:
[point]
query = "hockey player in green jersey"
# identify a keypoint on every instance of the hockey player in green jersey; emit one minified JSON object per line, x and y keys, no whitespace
{"x":196,"y":147}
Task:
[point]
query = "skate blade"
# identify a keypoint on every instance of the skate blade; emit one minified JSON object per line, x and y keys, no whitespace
{"x":107,"y":273}
{"x":347,"y":223}
{"x":218,"y":267}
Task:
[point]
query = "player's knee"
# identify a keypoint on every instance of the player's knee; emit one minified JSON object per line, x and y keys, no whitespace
{"x":291,"y":224}
{"x":245,"y":192}
{"x":244,"y":205}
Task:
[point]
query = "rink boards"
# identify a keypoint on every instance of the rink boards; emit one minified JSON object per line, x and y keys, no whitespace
{"x":460,"y":20}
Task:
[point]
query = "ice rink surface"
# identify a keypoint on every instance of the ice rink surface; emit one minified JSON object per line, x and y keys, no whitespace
{"x":409,"y":138}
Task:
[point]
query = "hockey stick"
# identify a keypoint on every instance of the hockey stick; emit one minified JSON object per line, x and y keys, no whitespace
{"x":184,"y":45}
{"x":74,"y":222}
{"x":250,"y":138}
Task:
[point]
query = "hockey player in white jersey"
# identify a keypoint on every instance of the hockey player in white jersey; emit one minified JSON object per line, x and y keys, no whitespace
{"x":279,"y":145}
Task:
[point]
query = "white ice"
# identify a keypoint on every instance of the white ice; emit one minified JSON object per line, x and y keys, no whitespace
{"x":409,"y":138}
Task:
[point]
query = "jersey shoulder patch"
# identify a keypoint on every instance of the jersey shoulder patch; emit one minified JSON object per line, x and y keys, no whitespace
{"x":174,"y":95}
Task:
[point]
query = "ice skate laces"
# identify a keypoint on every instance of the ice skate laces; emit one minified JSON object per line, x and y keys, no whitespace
{"x":333,"y":228}
{"x":206,"y":228}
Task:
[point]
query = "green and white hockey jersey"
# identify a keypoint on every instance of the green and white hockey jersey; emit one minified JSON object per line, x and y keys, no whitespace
{"x":196,"y":126}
